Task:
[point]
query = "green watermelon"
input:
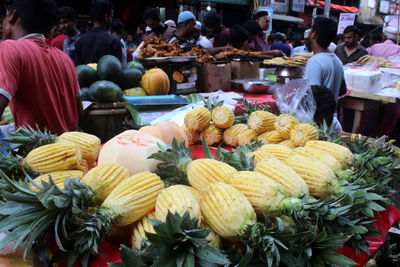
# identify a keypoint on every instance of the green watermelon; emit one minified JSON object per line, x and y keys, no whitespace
{"x":7,"y":116}
{"x":130,"y":78}
{"x":109,"y":68}
{"x":85,"y":94}
{"x":105,"y":92}
{"x":86,"y":75}
{"x":135,"y":65}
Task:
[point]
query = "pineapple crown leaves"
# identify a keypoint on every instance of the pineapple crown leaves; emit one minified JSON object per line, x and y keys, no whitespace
{"x":249,"y":108}
{"x":177,"y":242}
{"x":12,"y":165}
{"x":63,"y":214}
{"x":174,"y":161}
{"x":238,"y":158}
{"x":328,"y":133}
{"x":28,"y":138}
{"x":212,"y":104}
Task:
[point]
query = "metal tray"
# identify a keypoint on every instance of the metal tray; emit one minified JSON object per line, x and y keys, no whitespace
{"x":253,"y":86}
{"x":181,"y":59}
{"x":156,"y":100}
{"x":154,"y":60}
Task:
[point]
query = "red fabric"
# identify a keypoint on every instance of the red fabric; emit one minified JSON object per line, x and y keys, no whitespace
{"x":347,"y":9}
{"x":42,"y":82}
{"x":59,"y":41}
{"x":259,"y":99}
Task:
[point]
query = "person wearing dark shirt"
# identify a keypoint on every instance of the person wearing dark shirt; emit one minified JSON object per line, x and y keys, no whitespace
{"x":68,"y":26}
{"x":238,"y":38}
{"x":184,"y":30}
{"x":212,"y":22}
{"x":98,"y":42}
{"x":279,"y":44}
{"x":351,"y":50}
{"x":152,"y":18}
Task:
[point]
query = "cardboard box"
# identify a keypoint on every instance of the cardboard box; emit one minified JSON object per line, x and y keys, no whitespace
{"x":244,"y":70}
{"x":213,"y":77}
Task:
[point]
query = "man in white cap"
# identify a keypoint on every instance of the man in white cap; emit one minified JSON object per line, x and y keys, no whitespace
{"x":200,"y":39}
{"x":306,"y":48}
{"x":184,"y":30}
{"x":387,"y":48}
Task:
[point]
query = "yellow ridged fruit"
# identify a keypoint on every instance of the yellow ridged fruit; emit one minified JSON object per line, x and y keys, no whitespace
{"x":213,"y":238}
{"x":104,"y":178}
{"x":231,"y":135}
{"x":177,"y":199}
{"x":284,"y":124}
{"x":58,"y":178}
{"x":88,"y":144}
{"x":339,"y":152}
{"x":194,"y":191}
{"x":271,"y":137}
{"x":303,"y":133}
{"x":134,"y":197}
{"x":320,"y":155}
{"x":247,"y":136}
{"x":281,"y":173}
{"x":278,"y":151}
{"x":261,"y":121}
{"x":140,"y":228}
{"x":193,"y":136}
{"x":54,"y":157}
{"x":319,"y":178}
{"x":226,"y":210}
{"x":264,"y":194}
{"x":202,"y":172}
{"x":223,"y":117}
{"x":289,"y":143}
{"x":198,"y":118}
{"x":212,"y":134}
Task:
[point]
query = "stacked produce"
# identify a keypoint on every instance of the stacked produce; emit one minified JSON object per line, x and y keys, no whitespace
{"x":260,"y":204}
{"x":107,"y":81}
{"x":217,"y":124}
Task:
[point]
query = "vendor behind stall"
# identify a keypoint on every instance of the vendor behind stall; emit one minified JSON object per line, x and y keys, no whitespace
{"x":39,"y":81}
{"x":351,"y":50}
{"x":201,"y":40}
{"x":306,"y":48}
{"x":184,"y":30}
{"x":238,"y":38}
{"x":389,"y":47}
{"x":324,"y":68}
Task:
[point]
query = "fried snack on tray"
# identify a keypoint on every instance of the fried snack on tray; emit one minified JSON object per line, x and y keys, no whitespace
{"x":381,"y":62}
{"x":300,"y":60}
{"x":237,"y":54}
{"x":202,"y":54}
{"x":154,"y":47}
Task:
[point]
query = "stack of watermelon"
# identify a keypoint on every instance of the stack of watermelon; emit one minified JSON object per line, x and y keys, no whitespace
{"x":107,"y":81}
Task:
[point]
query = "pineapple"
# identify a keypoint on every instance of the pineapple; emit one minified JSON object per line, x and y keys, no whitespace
{"x":223,"y":117}
{"x":104,"y":178}
{"x":341,"y":153}
{"x":276,"y":150}
{"x":231,"y":135}
{"x":320,"y":155}
{"x":289,"y":143}
{"x":213,"y":238}
{"x":194,"y":191}
{"x":87,"y":143}
{"x":271,"y":137}
{"x":58,"y":178}
{"x":226,"y":210}
{"x":247,"y":136}
{"x":192,"y":135}
{"x":177,"y":199}
{"x":202,"y":172}
{"x":284,"y":124}
{"x":281,"y":173}
{"x":198,"y":118}
{"x":212,"y":134}
{"x":262,"y":121}
{"x":134,"y":197}
{"x":54,"y":157}
{"x":139,"y":230}
{"x":319,"y":178}
{"x":264,"y":194}
{"x":303,"y":133}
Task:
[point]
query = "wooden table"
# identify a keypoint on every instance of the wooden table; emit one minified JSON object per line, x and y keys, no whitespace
{"x":361,"y":102}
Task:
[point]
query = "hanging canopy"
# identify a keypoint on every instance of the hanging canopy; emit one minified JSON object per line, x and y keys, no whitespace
{"x":345,"y":9}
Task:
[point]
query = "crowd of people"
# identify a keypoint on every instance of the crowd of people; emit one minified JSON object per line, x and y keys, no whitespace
{"x":41,"y":49}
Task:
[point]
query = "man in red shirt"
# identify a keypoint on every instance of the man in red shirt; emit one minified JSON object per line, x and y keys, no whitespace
{"x":39,"y":81}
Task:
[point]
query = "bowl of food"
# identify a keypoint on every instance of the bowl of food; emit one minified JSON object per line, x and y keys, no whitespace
{"x":253,"y":86}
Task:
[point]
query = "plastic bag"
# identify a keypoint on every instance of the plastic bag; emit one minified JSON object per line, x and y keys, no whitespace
{"x":296,"y":98}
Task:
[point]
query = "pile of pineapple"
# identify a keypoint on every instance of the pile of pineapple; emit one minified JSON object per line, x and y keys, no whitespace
{"x":219,"y":126}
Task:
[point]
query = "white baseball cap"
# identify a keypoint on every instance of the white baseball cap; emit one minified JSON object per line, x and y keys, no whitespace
{"x":306,"y":33}
{"x":198,"y":25}
{"x":391,"y":33}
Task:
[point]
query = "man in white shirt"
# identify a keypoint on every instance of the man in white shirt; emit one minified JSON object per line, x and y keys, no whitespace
{"x":200,"y":39}
{"x":306,"y":48}
{"x":324,"y":68}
